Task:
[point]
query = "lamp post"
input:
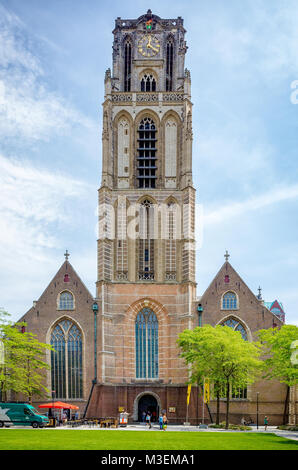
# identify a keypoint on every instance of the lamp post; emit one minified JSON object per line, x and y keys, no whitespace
{"x":257,"y":410}
{"x":95,"y":310}
{"x":200,"y":311}
{"x":94,"y":381}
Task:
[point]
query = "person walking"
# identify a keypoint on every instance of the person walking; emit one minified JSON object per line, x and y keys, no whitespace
{"x":148,"y":419}
{"x":164,"y":422}
{"x":161,"y":422}
{"x":266,"y":422}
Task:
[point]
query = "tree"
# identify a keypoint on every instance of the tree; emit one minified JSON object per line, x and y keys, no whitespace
{"x":222,"y":355}
{"x":279,"y":347}
{"x":22,"y":369}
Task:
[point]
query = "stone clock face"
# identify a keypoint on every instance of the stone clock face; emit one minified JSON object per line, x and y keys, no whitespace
{"x":148,"y":45}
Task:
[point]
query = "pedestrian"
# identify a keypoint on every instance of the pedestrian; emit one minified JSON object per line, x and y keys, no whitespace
{"x":148,"y":419}
{"x":266,"y":422}
{"x":160,"y":422}
{"x":143,"y":417}
{"x":164,"y":422}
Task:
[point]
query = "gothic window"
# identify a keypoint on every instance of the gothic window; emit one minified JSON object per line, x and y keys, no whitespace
{"x":148,"y":83}
{"x":229,"y":301}
{"x":169,"y":64}
{"x":66,"y":301}
{"x":146,"y":159}
{"x":146,"y":241}
{"x":146,"y":335}
{"x":66,"y":360}
{"x":127,"y":65}
{"x":236,"y":326}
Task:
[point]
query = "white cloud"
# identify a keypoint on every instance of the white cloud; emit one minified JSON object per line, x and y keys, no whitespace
{"x":28,"y":108}
{"x":275,"y":196}
{"x":32,"y":202}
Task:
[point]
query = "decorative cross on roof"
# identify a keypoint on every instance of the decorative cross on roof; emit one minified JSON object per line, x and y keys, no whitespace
{"x":66,"y":254}
{"x":227,"y":255}
{"x":260,"y":292}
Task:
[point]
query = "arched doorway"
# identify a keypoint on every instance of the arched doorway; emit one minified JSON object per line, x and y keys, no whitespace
{"x":148,"y":403}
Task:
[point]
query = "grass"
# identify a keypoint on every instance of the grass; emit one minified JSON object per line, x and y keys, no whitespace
{"x":53,"y":439}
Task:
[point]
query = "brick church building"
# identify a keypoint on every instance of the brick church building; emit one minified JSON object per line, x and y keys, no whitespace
{"x":118,"y":350}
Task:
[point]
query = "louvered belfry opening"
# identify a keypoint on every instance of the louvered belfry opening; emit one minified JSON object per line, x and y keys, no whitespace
{"x":146,"y":159}
{"x":148,"y":83}
{"x":127,"y":66}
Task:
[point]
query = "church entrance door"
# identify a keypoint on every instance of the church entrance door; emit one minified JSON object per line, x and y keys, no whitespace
{"x":148,"y":403}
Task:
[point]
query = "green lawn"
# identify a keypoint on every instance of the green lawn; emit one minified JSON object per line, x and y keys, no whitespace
{"x":50,"y":439}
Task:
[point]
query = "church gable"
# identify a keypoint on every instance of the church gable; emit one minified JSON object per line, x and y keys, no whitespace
{"x":65,"y":296}
{"x":228,"y":300}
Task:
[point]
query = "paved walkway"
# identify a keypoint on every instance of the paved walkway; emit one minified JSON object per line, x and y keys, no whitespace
{"x":140,"y":427}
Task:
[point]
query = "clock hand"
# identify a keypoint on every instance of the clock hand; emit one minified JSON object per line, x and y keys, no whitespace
{"x":151,"y":47}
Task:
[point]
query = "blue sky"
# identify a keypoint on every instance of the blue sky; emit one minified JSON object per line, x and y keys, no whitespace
{"x":243,"y":59}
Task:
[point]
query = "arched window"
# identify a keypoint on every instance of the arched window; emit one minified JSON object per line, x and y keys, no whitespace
{"x":146,"y":159}
{"x":66,"y":301}
{"x":237,"y":326}
{"x":127,"y":65}
{"x":169,"y":64}
{"x":146,"y":241}
{"x":146,"y":331}
{"x":236,"y":392}
{"x":66,"y":360}
{"x":148,"y":83}
{"x":229,"y":301}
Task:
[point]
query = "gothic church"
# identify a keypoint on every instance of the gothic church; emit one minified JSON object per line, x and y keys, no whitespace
{"x":118,"y":351}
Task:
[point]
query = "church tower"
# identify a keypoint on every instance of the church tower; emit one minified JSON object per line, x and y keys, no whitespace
{"x":146,"y":247}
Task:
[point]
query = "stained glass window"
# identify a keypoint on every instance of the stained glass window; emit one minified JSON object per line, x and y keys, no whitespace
{"x":66,"y":301}
{"x":229,"y":301}
{"x":237,"y":326}
{"x":146,"y":332}
{"x":66,"y":360}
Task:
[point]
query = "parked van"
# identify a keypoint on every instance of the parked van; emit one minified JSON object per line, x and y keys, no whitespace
{"x":21,"y":414}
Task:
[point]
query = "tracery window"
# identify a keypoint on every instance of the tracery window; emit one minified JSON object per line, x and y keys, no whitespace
{"x":236,"y":326}
{"x":148,"y":83}
{"x":66,"y":301}
{"x":229,"y":301}
{"x":146,"y":337}
{"x":66,"y":360}
{"x":127,"y":65}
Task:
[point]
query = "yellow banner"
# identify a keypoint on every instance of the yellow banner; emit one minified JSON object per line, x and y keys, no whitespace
{"x":206,"y":391}
{"x":188,"y":394}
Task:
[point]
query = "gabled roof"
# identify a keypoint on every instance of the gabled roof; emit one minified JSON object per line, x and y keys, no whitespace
{"x":65,"y":269}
